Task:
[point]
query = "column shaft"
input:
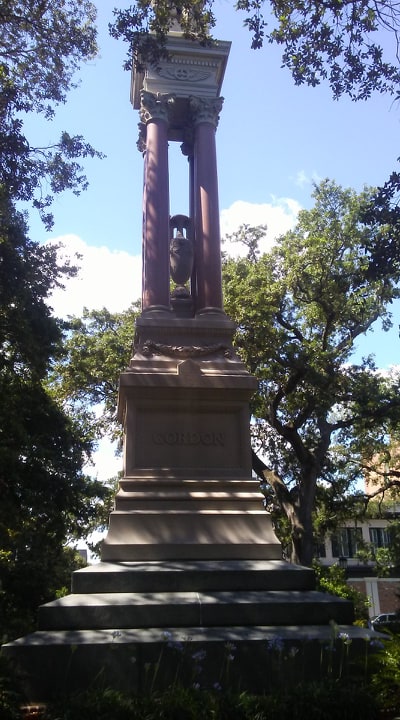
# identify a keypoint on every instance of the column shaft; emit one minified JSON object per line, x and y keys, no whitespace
{"x":205,"y":113}
{"x":156,"y":217}
{"x":193,"y":280}
{"x":208,"y":242}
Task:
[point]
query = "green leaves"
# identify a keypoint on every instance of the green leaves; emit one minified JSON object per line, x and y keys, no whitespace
{"x":46,"y":499}
{"x":97,"y":350}
{"x":42,"y":45}
{"x":335,"y":41}
{"x":145,"y":25}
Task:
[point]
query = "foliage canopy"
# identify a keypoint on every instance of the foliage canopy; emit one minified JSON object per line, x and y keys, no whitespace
{"x":46,"y":499}
{"x":85,"y":379}
{"x":42,"y":45}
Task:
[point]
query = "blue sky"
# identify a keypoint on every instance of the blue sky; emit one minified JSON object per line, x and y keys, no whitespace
{"x":273,"y":140}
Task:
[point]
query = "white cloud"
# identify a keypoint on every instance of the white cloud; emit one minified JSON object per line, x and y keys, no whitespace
{"x":392,"y":373}
{"x":303,"y":180}
{"x":107,"y":278}
{"x":279,"y":216}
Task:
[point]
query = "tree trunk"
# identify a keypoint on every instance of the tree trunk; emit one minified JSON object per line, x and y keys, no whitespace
{"x":301,"y":520}
{"x":298,"y":506}
{"x":302,"y":540}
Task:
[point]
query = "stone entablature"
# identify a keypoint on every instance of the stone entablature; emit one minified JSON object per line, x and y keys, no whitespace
{"x":190,"y":69}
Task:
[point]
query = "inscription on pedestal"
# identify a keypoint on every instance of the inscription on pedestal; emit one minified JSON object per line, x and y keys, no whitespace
{"x":185,"y":439}
{"x":189,"y":438}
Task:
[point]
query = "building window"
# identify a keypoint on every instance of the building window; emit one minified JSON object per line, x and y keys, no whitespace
{"x":379,"y":537}
{"x":319,"y":549}
{"x":346,"y":542}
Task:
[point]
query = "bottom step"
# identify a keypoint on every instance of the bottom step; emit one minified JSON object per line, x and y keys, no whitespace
{"x":253,"y":659}
{"x":195,"y":575}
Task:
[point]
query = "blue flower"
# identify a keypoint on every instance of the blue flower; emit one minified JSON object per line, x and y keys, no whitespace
{"x":345,"y":637}
{"x":176,"y":645}
{"x":230,"y":646}
{"x":199,"y":655}
{"x":276,"y":644}
{"x":293,"y":651}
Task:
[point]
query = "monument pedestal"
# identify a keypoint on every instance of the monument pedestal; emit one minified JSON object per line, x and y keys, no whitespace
{"x":187,"y":491}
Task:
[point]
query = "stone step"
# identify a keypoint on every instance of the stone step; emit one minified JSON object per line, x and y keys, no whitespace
{"x":188,"y":491}
{"x":172,"y":483}
{"x":193,"y":494}
{"x":195,"y":535}
{"x":130,"y":660}
{"x":136,"y":502}
{"x":186,"y":609}
{"x":192,"y":575}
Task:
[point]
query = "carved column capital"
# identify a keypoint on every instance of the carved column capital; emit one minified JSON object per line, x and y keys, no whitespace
{"x":206,"y":109}
{"x":154,"y":106}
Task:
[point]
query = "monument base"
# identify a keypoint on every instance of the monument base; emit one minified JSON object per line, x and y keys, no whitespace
{"x":138,"y":627}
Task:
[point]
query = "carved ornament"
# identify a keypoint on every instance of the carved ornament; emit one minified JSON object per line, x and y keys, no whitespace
{"x":154,"y":106}
{"x":184,"y":74}
{"x":206,"y":109}
{"x":185,"y":351}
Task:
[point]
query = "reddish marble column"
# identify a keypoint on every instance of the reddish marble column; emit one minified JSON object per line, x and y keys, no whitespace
{"x":155,"y":280}
{"x":207,"y":231}
{"x":193,"y":280}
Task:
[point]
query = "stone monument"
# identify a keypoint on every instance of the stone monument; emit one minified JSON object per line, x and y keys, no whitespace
{"x":187,"y":491}
{"x":190,"y":551}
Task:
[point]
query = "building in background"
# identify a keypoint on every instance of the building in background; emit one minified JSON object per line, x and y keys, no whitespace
{"x":348,"y":546}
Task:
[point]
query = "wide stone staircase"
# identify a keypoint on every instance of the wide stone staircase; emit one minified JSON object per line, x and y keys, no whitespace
{"x":137,"y":625}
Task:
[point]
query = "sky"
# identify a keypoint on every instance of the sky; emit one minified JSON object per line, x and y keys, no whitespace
{"x":273,"y":140}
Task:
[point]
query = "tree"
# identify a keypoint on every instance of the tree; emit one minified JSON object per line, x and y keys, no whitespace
{"x":85,"y":379}
{"x":42,"y":45}
{"x":333,"y":580}
{"x":46,"y":499}
{"x":336,"y":40}
{"x":299,"y":310}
